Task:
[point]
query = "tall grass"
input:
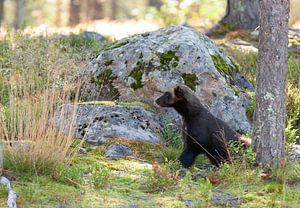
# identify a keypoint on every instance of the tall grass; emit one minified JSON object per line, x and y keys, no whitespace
{"x":34,"y":142}
{"x":35,"y":79}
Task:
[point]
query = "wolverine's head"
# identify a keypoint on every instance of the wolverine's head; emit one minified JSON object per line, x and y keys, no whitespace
{"x":169,"y":98}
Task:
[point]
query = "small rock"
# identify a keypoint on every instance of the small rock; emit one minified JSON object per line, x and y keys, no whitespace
{"x":118,"y":150}
{"x":296,"y":152}
{"x":225,"y":199}
{"x":82,"y":151}
{"x":188,"y":203}
{"x":93,"y":35}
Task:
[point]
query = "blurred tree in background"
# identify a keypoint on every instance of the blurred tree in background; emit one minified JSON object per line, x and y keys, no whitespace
{"x":237,"y":14}
{"x":1,"y":11}
{"x":74,"y":17}
{"x":242,"y":14}
{"x":20,"y":14}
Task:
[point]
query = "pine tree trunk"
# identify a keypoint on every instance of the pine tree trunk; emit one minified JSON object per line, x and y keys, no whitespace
{"x":58,"y":13}
{"x":269,"y":115}
{"x":95,"y":8}
{"x":1,"y":11}
{"x":241,"y":14}
{"x":114,"y":9}
{"x":74,"y":17}
{"x":20,"y":14}
{"x":155,"y":3}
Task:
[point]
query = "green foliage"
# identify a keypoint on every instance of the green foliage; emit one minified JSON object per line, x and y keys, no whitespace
{"x":241,"y":155}
{"x":169,"y":153}
{"x":293,"y":113}
{"x":161,"y":179}
{"x":39,"y":63}
{"x":292,"y":133}
{"x":76,"y":44}
{"x":170,"y":136}
{"x":251,"y":106}
{"x":74,"y":174}
{"x":175,"y":12}
{"x":294,"y":71}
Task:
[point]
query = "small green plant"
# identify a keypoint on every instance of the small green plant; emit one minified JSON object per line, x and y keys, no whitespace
{"x":100,"y":176}
{"x":161,"y":179}
{"x":241,"y":155}
{"x":170,"y":136}
{"x":70,"y":174}
{"x":294,"y":71}
{"x":251,"y":106}
{"x":78,"y":174}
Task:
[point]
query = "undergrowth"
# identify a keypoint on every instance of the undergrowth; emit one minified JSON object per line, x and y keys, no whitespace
{"x":37,"y":76}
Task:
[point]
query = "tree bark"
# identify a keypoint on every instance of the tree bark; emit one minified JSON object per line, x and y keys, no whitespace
{"x":1,"y":11}
{"x":270,"y":111}
{"x":74,"y":17}
{"x":95,"y":8}
{"x":241,"y":14}
{"x":155,"y":3}
{"x":20,"y":14}
{"x":114,"y":9}
{"x":58,"y":13}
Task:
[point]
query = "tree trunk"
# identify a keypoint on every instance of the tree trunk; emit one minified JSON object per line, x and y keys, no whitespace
{"x":269,"y":115}
{"x":74,"y":17}
{"x":1,"y":11}
{"x":114,"y":9}
{"x":95,"y":8}
{"x":58,"y":13}
{"x":155,"y":3}
{"x":240,"y":14}
{"x":20,"y":14}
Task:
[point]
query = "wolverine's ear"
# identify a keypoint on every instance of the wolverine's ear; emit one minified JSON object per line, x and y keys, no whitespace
{"x":178,"y":92}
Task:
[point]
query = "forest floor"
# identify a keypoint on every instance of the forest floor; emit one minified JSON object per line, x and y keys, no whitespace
{"x":94,"y":180}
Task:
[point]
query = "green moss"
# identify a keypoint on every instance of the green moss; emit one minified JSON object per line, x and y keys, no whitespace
{"x":224,"y":68}
{"x":220,"y":64}
{"x":236,"y":90}
{"x":167,"y":58}
{"x":117,"y":45}
{"x":236,"y":67}
{"x":189,"y":80}
{"x":137,"y":73}
{"x":109,"y":62}
{"x":106,"y":79}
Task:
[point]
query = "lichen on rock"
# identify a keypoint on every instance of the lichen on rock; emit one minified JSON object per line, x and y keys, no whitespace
{"x":146,"y":64}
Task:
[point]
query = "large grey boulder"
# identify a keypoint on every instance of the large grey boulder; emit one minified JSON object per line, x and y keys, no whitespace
{"x":99,"y":123}
{"x":138,"y":68}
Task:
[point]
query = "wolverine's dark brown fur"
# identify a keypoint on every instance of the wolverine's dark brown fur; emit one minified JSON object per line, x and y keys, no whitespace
{"x":202,"y":132}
